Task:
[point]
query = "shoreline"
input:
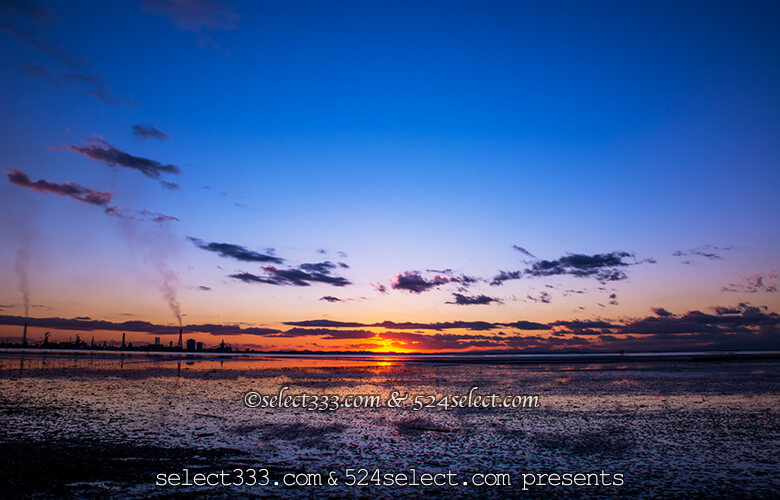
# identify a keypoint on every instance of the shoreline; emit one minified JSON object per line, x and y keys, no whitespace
{"x":436,"y":358}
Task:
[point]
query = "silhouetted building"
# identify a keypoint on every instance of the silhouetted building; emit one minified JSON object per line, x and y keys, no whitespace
{"x":199,"y":346}
{"x":157,"y":341}
{"x":190,"y":344}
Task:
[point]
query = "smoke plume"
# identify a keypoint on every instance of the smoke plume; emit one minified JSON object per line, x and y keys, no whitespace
{"x":168,"y":286}
{"x":22,"y":267}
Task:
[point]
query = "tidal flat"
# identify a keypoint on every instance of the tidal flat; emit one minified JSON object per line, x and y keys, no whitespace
{"x":95,"y":425}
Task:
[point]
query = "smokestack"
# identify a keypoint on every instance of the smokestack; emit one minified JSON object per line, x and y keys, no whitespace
{"x":24,"y":335}
{"x":123,"y":340}
{"x":180,"y":344}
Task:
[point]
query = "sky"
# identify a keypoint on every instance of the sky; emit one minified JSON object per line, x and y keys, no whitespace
{"x":392,"y":176}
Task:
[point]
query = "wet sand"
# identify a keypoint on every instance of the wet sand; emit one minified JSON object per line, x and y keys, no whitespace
{"x":103,"y":425}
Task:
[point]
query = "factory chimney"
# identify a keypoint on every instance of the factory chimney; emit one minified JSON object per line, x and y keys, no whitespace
{"x":180,"y":343}
{"x":123,"y":340}
{"x":24,"y":335}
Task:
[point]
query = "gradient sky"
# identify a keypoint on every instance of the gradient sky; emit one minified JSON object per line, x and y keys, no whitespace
{"x":394,"y":137}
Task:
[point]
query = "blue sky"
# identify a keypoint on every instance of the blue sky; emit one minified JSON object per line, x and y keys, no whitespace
{"x":408,"y":135}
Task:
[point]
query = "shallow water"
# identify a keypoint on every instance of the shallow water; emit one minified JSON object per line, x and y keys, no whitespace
{"x":672,"y":428}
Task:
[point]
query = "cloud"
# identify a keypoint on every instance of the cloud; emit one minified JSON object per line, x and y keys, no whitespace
{"x":303,"y":275}
{"x":465,"y":300}
{"x":414,"y":282}
{"x":326,"y":323}
{"x":327,"y":333}
{"x":154,"y":216}
{"x":86,"y":195}
{"x":71,"y":189}
{"x":660,"y":311}
{"x":743,"y":318}
{"x":525,"y":325}
{"x":506,"y":276}
{"x":76,"y":324}
{"x":731,"y":328}
{"x":40,"y":71}
{"x":144,"y":215}
{"x":25,"y":21}
{"x":149,"y":132}
{"x":331,"y":298}
{"x":581,"y":327}
{"x":27,"y":10}
{"x":234,"y":251}
{"x":524,"y":251}
{"x":604,"y":267}
{"x":195,"y":16}
{"x":34,"y":17}
{"x":543,"y":297}
{"x":204,"y":288}
{"x":102,"y":151}
{"x":754,"y":284}
{"x":465,"y":325}
{"x":90,"y":84}
{"x":94,"y":85}
{"x":710,"y":252}
{"x":170,"y":185}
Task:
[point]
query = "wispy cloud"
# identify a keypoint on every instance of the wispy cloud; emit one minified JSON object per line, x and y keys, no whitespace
{"x":503,"y":276}
{"x":94,"y":85}
{"x":101,"y":151}
{"x":524,"y":251}
{"x":709,"y":252}
{"x":86,"y":195}
{"x":303,"y":275}
{"x":70,"y":189}
{"x":197,"y":16}
{"x":543,"y":297}
{"x":237,"y":252}
{"x":141,"y":215}
{"x":754,"y":284}
{"x":603,"y":267}
{"x":26,"y":22}
{"x":149,"y":132}
{"x":90,"y":84}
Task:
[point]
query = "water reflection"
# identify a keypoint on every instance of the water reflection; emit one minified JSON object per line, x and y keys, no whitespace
{"x":687,"y":419}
